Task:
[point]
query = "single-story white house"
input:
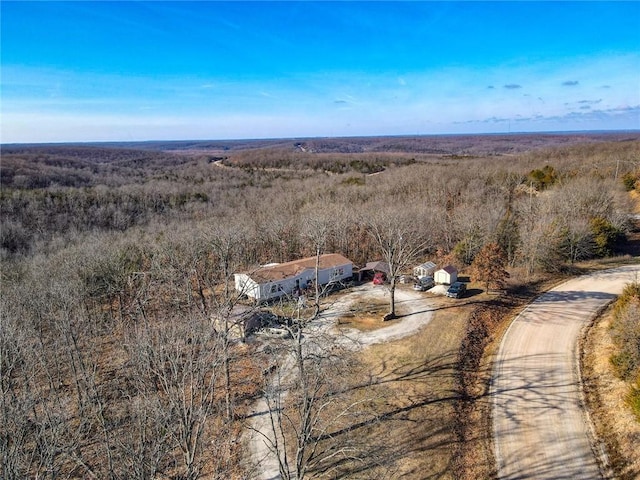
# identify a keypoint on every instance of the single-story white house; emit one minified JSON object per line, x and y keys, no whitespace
{"x":278,"y":279}
{"x":448,"y":275}
{"x":425,"y":270}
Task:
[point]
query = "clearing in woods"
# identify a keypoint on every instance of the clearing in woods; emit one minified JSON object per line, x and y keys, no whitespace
{"x":413,"y":384}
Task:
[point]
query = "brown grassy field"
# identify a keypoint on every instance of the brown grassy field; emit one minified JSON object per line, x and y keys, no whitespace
{"x":414,"y":393}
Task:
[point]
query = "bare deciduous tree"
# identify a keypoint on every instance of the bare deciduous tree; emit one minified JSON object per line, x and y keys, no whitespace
{"x":227,"y":252}
{"x":15,"y":402}
{"x":317,"y":229}
{"x":540,"y":237}
{"x":400,"y":240}
{"x":308,"y":406}
{"x":180,"y":359}
{"x":489,"y":266}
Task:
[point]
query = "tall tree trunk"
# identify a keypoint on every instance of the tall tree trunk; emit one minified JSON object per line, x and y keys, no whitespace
{"x":392,"y":293}
{"x":317,"y":283}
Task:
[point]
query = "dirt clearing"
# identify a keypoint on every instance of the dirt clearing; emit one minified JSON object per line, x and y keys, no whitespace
{"x":365,"y":315}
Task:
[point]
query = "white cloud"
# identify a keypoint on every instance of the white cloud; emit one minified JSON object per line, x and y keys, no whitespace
{"x":111,"y":107}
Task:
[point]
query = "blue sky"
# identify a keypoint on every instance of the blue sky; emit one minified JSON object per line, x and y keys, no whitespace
{"x":124,"y":71}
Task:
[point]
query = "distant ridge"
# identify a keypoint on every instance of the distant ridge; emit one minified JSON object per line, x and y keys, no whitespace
{"x":466,"y":144}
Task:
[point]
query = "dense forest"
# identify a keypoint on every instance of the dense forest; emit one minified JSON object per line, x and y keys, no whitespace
{"x":116,"y":358}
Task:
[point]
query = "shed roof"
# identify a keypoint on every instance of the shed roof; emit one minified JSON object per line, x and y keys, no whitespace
{"x":449,"y":269}
{"x":281,"y":271}
{"x":378,"y":266}
{"x":427,"y":265}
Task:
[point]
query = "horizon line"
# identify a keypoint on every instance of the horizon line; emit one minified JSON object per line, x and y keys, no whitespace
{"x":337,"y":137}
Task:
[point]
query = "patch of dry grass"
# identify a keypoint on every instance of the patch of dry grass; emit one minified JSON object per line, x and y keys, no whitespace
{"x":635,"y":198}
{"x":365,"y":315}
{"x":614,"y":421}
{"x":412,"y":389}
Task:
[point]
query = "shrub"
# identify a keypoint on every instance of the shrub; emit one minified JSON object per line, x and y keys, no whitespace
{"x":543,"y":178}
{"x":466,"y":249}
{"x":629,"y":180}
{"x":353,"y":181}
{"x":633,"y":400}
{"x":630,"y":294}
{"x":605,"y":235}
{"x":625,"y":332}
{"x":623,"y":364}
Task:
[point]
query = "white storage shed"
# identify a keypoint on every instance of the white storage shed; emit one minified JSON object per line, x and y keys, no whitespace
{"x":427,"y":269}
{"x":448,"y":275}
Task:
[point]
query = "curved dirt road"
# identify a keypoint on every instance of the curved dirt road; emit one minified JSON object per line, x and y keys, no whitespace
{"x":539,"y":426}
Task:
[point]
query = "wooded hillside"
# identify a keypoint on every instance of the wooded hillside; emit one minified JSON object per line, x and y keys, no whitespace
{"x":115,"y":261}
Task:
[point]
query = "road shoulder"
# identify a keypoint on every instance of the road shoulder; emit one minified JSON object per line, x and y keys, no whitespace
{"x":613,"y":421}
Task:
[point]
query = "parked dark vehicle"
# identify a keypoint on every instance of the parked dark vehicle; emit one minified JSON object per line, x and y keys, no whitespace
{"x":457,"y":290}
{"x":424,"y":283}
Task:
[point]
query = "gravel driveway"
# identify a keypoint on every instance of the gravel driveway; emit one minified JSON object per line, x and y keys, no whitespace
{"x":540,"y":427}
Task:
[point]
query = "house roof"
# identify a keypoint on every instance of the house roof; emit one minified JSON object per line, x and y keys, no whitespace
{"x":281,"y":271}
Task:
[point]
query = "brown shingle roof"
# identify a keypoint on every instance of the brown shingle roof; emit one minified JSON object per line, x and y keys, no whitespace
{"x":450,"y":269}
{"x":378,"y":266}
{"x":281,"y":271}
